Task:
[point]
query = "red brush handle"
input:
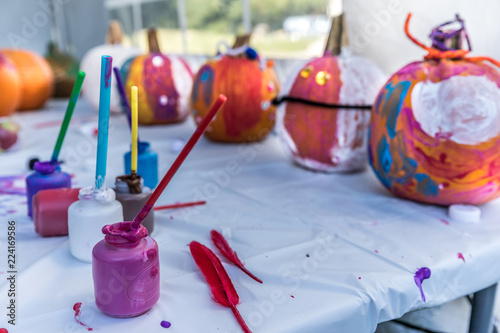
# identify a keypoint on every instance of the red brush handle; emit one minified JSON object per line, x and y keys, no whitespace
{"x":178,"y":161}
{"x":180,"y":205}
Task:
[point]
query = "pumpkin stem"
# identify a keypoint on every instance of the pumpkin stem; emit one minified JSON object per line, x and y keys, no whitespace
{"x":154,"y":47}
{"x":115,"y":33}
{"x":445,"y":39}
{"x":242,"y":40}
{"x":337,"y":36}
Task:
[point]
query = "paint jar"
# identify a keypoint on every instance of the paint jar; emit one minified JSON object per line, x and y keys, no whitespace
{"x":126,"y":271}
{"x":132,"y":194}
{"x":46,"y":175}
{"x":87,"y":216}
{"x":147,"y":164}
{"x":50,"y":210}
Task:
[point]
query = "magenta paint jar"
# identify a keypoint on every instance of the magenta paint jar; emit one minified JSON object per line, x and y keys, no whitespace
{"x":47,"y":175}
{"x":126,"y":271}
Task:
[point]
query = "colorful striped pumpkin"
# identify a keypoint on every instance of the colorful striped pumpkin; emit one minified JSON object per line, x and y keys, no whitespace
{"x":435,"y":129}
{"x":164,"y":83}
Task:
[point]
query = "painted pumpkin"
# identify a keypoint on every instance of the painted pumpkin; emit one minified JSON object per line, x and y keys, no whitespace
{"x":318,"y":135}
{"x":248,"y":114}
{"x":325,"y":138}
{"x":8,"y":134}
{"x":64,"y":68}
{"x":163,"y":82}
{"x":10,"y":85}
{"x":35,"y":77}
{"x":435,"y":129}
{"x":91,"y":65}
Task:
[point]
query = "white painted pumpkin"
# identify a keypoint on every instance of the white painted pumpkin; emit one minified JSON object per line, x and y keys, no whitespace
{"x":91,"y":65}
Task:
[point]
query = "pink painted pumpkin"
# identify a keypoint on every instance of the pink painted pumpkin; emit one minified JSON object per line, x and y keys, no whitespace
{"x":321,"y":137}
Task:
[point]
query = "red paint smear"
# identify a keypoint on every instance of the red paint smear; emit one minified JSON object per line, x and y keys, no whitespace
{"x":445,"y":222}
{"x":359,"y":277}
{"x":3,"y":330}
{"x":292,"y":296}
{"x":77,"y":308}
{"x":460,"y":256}
{"x":48,"y":124}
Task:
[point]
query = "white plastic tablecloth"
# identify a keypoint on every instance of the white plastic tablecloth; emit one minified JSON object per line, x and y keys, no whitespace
{"x":336,"y":252}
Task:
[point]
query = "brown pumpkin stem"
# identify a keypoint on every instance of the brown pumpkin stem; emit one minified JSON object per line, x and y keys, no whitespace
{"x":337,"y":36}
{"x":242,"y":40}
{"x":115,"y":33}
{"x":154,"y":47}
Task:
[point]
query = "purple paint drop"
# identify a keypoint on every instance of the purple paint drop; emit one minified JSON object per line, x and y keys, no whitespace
{"x":165,"y":324}
{"x":460,"y":256}
{"x":421,"y":275}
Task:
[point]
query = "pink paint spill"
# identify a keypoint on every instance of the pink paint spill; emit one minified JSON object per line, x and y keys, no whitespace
{"x":445,"y":222}
{"x":420,"y":275}
{"x":77,"y":308}
{"x":376,"y":251}
{"x":171,"y":217}
{"x":460,"y":256}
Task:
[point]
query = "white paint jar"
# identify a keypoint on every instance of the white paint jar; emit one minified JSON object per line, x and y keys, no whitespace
{"x":86,"y":218}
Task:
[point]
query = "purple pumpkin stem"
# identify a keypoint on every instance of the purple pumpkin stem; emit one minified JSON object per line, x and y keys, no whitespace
{"x":443,"y":39}
{"x":421,"y":275}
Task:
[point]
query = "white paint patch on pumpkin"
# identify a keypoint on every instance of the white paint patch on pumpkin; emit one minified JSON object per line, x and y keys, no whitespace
{"x":280,"y":111}
{"x":183,"y":82}
{"x":361,"y":81}
{"x":465,"y":109}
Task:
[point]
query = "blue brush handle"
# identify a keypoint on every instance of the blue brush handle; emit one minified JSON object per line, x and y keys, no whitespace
{"x":102,"y":132}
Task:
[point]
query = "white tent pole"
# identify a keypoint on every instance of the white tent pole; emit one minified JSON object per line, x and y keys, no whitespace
{"x":247,"y":17}
{"x":181,"y":16}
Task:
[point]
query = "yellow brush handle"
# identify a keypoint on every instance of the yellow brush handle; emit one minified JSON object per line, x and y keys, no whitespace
{"x":134,"y":129}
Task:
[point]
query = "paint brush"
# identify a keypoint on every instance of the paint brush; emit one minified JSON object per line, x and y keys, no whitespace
{"x":103,"y":126}
{"x":67,"y":116}
{"x":180,"y":205}
{"x":133,"y":167}
{"x":178,"y":161}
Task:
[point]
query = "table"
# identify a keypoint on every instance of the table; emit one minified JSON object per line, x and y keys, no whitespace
{"x":336,"y":252}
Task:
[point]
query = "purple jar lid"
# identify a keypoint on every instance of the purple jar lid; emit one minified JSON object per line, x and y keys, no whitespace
{"x":46,"y":168}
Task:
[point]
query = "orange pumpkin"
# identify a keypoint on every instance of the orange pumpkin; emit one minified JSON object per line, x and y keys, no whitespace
{"x":248,"y":114}
{"x":36,"y":77}
{"x":10,"y":85}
